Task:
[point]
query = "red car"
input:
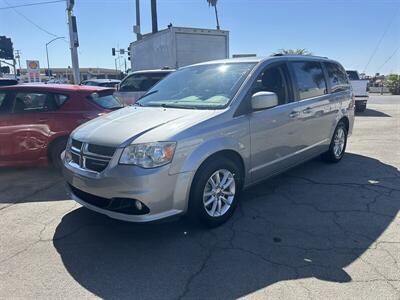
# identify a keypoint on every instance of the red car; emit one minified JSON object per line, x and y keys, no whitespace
{"x":36,"y":120}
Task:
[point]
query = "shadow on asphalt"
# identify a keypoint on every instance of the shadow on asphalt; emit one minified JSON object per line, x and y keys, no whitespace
{"x":310,"y":222}
{"x":372,"y":113}
{"x":20,"y":185}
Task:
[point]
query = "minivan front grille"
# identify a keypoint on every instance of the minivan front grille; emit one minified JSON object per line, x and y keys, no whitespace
{"x":103,"y":150}
{"x":90,"y":156}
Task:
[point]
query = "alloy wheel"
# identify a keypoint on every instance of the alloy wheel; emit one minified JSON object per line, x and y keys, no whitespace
{"x":219,"y":193}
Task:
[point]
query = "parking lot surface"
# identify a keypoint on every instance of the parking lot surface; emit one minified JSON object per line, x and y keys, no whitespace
{"x":318,"y":231}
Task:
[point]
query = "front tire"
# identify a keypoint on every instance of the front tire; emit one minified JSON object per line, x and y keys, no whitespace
{"x":55,"y":152}
{"x":338,"y":144}
{"x":215,"y":191}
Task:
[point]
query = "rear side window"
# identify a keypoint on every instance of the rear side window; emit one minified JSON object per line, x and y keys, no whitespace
{"x":59,"y":99}
{"x":337,"y":77}
{"x":141,"y":82}
{"x":105,"y":100}
{"x":353,"y":75}
{"x":310,"y":79}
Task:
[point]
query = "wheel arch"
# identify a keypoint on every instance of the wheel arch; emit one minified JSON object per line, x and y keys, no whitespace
{"x":346,"y":121}
{"x":231,"y":155}
{"x":54,"y":142}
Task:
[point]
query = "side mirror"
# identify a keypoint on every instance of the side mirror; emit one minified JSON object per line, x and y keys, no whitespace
{"x":264,"y":100}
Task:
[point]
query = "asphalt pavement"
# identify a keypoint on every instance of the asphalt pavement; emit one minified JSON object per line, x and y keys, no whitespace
{"x":318,"y":231}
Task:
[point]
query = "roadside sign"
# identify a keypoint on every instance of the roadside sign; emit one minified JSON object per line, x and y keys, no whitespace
{"x":33,"y":70}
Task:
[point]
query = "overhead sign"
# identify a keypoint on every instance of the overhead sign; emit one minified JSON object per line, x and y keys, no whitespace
{"x":33,"y":70}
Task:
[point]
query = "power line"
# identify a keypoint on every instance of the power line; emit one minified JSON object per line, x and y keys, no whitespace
{"x":30,"y":4}
{"x":389,"y":58}
{"x":380,"y":40}
{"x":32,"y":22}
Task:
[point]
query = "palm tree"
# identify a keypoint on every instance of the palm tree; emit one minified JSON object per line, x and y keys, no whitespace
{"x":293,"y":52}
{"x":214,"y":4}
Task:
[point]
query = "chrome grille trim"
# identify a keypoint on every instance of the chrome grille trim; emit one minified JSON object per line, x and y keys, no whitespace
{"x":84,"y":155}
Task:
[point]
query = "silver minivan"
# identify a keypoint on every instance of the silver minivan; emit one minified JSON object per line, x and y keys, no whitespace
{"x":206,"y":132}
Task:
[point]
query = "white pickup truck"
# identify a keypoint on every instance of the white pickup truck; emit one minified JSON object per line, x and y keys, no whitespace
{"x":359,"y":87}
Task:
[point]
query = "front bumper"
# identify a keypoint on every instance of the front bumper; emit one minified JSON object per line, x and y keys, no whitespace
{"x":164,"y":194}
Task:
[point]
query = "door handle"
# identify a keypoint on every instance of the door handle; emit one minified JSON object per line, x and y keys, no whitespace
{"x":294,"y":114}
{"x":42,"y":121}
{"x":308,"y":110}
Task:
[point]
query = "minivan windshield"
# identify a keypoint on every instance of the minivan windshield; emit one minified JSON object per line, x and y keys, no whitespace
{"x":209,"y":86}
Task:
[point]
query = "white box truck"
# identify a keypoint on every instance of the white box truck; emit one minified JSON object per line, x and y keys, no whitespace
{"x":176,"y":47}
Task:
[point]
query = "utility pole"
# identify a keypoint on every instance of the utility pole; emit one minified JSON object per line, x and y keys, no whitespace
{"x":154,"y":24}
{"x":15,"y":69}
{"x":136,"y":28}
{"x":18,"y":56}
{"x":73,"y":40}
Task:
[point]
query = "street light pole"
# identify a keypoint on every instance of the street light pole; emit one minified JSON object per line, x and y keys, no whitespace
{"x":47,"y":52}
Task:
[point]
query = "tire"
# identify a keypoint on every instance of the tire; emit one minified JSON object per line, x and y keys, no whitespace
{"x":198,"y":210}
{"x":338,"y":144}
{"x":361,"y":107}
{"x":55,"y":152}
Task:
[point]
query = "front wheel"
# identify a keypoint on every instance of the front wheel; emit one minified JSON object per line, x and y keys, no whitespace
{"x":55,"y":152}
{"x":215,"y":192}
{"x":338,"y":144}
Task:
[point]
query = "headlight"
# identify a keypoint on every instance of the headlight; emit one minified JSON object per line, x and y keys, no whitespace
{"x":148,"y":155}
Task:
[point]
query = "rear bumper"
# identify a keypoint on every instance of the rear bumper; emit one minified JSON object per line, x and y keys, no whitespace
{"x":361,"y":99}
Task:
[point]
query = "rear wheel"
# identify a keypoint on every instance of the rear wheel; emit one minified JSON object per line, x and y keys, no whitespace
{"x":55,"y":152}
{"x":338,"y":144}
{"x":215,"y":192}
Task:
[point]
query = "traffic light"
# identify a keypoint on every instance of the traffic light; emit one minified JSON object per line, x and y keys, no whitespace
{"x":113,"y":51}
{"x":6,"y":48}
{"x":129,"y":52}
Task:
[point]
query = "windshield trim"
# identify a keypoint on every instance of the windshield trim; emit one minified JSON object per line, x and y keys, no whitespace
{"x":252,"y":65}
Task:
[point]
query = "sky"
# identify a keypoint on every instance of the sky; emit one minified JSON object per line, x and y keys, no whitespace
{"x":352,"y":31}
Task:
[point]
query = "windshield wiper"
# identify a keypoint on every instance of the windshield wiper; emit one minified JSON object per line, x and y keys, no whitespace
{"x":165,"y":105}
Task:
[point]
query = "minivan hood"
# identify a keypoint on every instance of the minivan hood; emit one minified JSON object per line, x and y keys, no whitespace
{"x":146,"y":124}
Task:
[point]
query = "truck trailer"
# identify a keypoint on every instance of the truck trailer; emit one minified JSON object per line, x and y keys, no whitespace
{"x":176,"y":47}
